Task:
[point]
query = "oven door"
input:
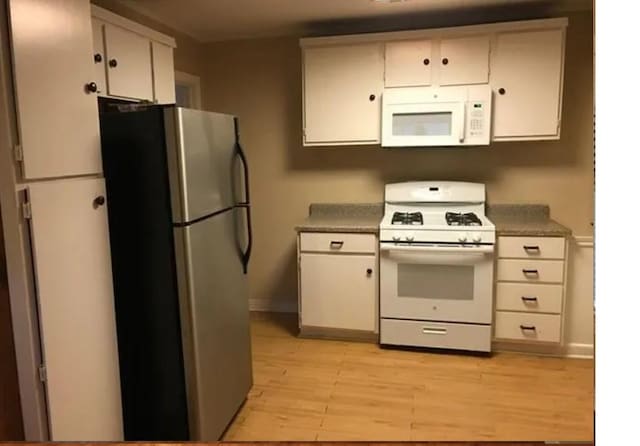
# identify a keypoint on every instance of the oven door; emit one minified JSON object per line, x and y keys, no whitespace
{"x":449,"y":283}
{"x":423,"y":124}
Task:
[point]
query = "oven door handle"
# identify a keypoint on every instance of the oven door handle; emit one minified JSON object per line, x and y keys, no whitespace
{"x":481,"y":249}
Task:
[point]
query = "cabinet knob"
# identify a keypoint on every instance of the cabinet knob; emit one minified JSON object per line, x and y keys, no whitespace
{"x":369,"y":271}
{"x":426,"y":61}
{"x":372,"y":97}
{"x":91,"y":87}
{"x":113,"y":63}
{"x":97,"y":58}
{"x":98,"y":201}
{"x":445,"y":61}
{"x":502,"y":90}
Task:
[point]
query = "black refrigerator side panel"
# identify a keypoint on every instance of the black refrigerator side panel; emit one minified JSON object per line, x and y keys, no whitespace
{"x":145,"y":285}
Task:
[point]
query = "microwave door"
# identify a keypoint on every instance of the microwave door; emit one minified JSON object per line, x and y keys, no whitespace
{"x":426,"y":124}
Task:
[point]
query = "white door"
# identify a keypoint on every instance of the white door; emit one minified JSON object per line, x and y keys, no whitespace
{"x":99,"y":60}
{"x":128,"y":64}
{"x":526,"y":77}
{"x":164,"y":84}
{"x":408,"y":63}
{"x":53,"y":68}
{"x":71,"y":255}
{"x":338,"y":291}
{"x":342,"y":88}
{"x":464,"y":60}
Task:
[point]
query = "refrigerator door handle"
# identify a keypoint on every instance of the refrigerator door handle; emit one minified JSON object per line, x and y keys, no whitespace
{"x":246,"y":203}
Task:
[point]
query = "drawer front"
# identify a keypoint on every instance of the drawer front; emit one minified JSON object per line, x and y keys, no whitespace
{"x":435,"y":334}
{"x":531,"y":247}
{"x":537,"y":298}
{"x":527,"y":326}
{"x":533,"y":271}
{"x":337,"y":242}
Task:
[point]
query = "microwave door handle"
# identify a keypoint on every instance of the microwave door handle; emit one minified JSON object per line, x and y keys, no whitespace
{"x":463,"y":110}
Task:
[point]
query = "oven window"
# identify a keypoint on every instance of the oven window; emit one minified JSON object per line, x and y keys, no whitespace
{"x":422,"y":124}
{"x":446,"y":282}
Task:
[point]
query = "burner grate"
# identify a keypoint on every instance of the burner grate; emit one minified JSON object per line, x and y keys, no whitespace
{"x":462,"y":219}
{"x":406,"y":218}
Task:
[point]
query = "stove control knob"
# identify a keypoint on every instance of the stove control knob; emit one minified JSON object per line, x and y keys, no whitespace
{"x":462,"y":238}
{"x":409,"y":239}
{"x":395,"y":239}
{"x":477,"y":238}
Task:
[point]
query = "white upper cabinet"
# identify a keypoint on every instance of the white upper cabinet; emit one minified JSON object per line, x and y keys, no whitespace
{"x":72,"y":263}
{"x":464,"y":61}
{"x":53,"y":66}
{"x":99,"y":61}
{"x":526,"y":77}
{"x":132,"y":61}
{"x":128,"y":64}
{"x":164,"y":91}
{"x":342,"y":88}
{"x":408,"y":63}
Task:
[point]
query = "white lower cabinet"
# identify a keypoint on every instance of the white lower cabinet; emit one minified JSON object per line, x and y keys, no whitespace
{"x":72,"y":263}
{"x":338,"y":291}
{"x":530,"y":289}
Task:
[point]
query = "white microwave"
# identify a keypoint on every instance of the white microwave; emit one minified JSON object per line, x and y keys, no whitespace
{"x":436,"y":116}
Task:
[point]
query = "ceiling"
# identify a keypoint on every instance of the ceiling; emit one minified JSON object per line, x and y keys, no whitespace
{"x":214,"y":20}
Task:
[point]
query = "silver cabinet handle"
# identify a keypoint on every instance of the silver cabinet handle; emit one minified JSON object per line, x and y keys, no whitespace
{"x":527,"y":272}
{"x":336,"y":244}
{"x":529,"y":299}
{"x":531,"y":249}
{"x":528,"y":327}
{"x":434,"y":330}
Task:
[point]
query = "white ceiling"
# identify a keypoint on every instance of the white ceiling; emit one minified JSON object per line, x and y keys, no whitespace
{"x":213,"y":20}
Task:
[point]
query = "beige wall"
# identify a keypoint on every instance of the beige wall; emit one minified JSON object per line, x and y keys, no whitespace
{"x":260,"y":81}
{"x":188,"y":56}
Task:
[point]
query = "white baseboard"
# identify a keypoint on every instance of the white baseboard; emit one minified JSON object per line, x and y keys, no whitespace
{"x":271,"y":306}
{"x":575,"y":350}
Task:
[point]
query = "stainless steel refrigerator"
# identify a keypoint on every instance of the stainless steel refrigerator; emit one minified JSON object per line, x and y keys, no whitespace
{"x":180,"y":234}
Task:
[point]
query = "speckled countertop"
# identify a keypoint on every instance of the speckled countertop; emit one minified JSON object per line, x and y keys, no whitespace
{"x":525,"y":220}
{"x":347,"y":217}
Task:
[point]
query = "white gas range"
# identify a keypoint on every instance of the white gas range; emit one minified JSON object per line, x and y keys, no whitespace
{"x":436,"y":266}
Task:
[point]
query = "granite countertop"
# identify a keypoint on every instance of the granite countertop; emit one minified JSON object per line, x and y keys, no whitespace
{"x":342,"y":217}
{"x":525,"y":220}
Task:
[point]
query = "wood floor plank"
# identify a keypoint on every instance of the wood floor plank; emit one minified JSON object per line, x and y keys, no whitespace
{"x":323,"y":390}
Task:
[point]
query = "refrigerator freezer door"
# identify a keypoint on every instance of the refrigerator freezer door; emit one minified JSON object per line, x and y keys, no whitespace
{"x":215,"y":323}
{"x":201,"y":151}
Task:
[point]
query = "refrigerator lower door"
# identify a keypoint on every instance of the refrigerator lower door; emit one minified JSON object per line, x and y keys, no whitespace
{"x":215,"y":323}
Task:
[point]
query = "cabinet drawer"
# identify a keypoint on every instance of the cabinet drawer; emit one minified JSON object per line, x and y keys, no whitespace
{"x":527,"y":326}
{"x":435,"y":334}
{"x":531,"y":247}
{"x":515,"y":270}
{"x":529,"y":297}
{"x":337,"y":242}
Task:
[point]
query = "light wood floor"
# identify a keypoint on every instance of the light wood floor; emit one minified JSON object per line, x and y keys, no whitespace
{"x":324,"y":390}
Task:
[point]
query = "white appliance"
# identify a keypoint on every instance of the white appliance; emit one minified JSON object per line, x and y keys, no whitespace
{"x":436,"y":116}
{"x":436,"y":266}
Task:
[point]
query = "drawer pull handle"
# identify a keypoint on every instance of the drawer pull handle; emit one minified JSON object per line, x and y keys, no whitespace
{"x":528,"y":327}
{"x":336,"y":244}
{"x":434,"y":330}
{"x":527,"y":272}
{"x":529,"y":298}
{"x":529,"y":249}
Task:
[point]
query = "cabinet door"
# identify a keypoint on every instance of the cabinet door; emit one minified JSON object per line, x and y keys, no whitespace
{"x":99,"y":60}
{"x":338,"y":291}
{"x":342,"y":88}
{"x":53,"y":64}
{"x":526,"y":77}
{"x":407,"y":63}
{"x":464,"y":61}
{"x":164,"y":84}
{"x":128,"y":64}
{"x":70,"y":243}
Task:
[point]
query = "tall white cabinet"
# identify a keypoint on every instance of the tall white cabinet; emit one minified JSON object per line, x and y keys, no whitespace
{"x":63,"y":55}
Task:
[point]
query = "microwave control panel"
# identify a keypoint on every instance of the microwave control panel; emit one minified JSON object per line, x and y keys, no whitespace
{"x":477,"y":131}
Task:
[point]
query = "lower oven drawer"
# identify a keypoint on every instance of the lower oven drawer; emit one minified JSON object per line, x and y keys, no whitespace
{"x":435,"y":334}
{"x":527,"y":326}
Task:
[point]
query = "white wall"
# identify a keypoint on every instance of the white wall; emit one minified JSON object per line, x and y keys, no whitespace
{"x":579,"y":323}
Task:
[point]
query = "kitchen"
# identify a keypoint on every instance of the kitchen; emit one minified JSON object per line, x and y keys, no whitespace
{"x":259,"y":80}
